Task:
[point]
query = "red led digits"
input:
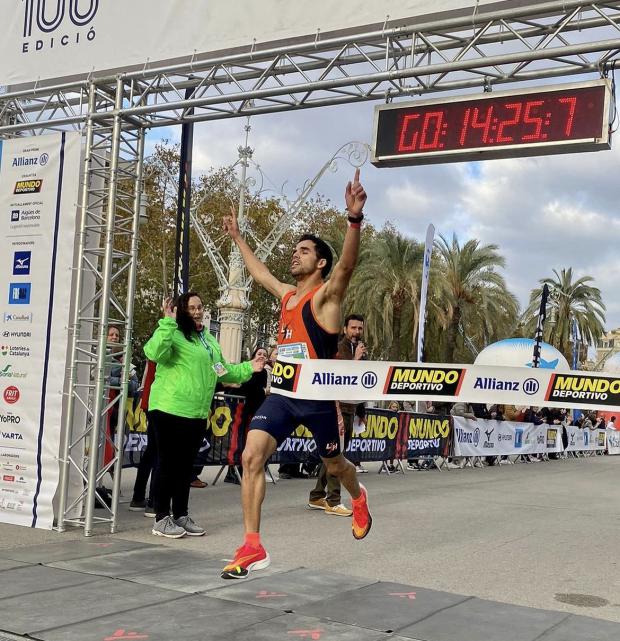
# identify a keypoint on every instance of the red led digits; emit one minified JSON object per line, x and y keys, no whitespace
{"x":437,"y":117}
{"x":571,"y":101}
{"x":484,"y":124}
{"x":552,"y":120}
{"x":404,"y":131}
{"x":537,"y":121}
{"x":516,"y":108}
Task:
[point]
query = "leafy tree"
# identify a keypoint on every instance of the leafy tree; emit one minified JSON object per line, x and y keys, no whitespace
{"x":472,"y":297}
{"x":385,"y":288}
{"x":569,"y":298}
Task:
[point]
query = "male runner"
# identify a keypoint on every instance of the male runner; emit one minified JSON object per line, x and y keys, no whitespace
{"x":309,"y":324}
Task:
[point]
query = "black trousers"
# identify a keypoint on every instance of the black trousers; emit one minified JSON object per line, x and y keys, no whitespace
{"x":147,"y":466}
{"x":178,"y":440}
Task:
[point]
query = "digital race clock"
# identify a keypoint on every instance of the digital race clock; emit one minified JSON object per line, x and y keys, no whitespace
{"x":529,"y":122}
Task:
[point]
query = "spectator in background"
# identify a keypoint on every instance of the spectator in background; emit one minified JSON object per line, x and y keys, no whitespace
{"x":254,"y":393}
{"x":148,"y":462}
{"x":393,"y":406}
{"x":115,"y":362}
{"x":612,"y":423}
{"x":326,"y":494}
{"x":496,"y":413}
{"x":466,"y":411}
{"x":189,"y":364}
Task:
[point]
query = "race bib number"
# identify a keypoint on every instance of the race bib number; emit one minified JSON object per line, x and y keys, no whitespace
{"x":293,"y":350}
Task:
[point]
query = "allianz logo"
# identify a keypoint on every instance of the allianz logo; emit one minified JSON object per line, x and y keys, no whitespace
{"x":465,"y":436}
{"x":368,"y":379}
{"x":530,"y":385}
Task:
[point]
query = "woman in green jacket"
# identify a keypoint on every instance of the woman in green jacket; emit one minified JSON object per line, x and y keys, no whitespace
{"x":189,"y":364}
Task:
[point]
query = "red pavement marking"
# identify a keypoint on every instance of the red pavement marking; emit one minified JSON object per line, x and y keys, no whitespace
{"x":263,"y":594}
{"x":123,"y":634}
{"x":404,"y":595}
{"x":312,"y":634}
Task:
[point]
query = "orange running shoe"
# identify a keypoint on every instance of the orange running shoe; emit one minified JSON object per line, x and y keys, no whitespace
{"x":246,"y":558}
{"x":362,"y":520}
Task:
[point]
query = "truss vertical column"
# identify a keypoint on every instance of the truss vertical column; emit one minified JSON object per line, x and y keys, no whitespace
{"x":68,"y":444}
{"x":128,"y":318}
{"x":105,"y":287}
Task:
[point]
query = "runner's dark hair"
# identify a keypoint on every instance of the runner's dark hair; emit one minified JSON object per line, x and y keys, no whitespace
{"x":322,"y":251}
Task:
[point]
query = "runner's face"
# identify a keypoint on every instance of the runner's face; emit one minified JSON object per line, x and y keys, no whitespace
{"x":195,"y":310}
{"x":304,"y":260}
{"x":354,"y":330}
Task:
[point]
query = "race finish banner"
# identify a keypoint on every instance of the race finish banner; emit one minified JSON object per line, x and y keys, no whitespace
{"x":491,"y":438}
{"x":385,"y":381}
{"x":39,"y":179}
{"x":49,"y":40}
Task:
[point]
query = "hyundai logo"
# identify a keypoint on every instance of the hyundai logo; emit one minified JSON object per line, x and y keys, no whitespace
{"x":369,"y":380}
{"x":530,"y":386}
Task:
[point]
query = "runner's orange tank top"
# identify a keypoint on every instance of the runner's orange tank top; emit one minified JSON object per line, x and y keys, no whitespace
{"x":300,"y":335}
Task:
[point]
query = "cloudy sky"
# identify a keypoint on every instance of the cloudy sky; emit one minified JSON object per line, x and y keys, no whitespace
{"x":544,"y":213}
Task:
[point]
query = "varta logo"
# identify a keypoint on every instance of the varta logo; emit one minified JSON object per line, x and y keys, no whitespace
{"x":12,"y":436}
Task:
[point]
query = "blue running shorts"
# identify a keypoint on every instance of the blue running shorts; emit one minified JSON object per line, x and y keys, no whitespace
{"x":279,"y":416}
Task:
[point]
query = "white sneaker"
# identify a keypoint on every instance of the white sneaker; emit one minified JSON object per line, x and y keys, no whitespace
{"x":452,"y":466}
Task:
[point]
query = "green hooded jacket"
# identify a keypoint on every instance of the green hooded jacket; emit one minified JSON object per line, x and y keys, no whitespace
{"x":184,"y":378}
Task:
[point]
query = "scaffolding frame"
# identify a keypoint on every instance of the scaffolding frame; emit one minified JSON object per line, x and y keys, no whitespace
{"x":479,"y":51}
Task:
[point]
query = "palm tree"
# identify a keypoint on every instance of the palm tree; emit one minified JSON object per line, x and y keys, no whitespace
{"x":387,"y":282}
{"x":472,"y":296}
{"x":569,"y":300}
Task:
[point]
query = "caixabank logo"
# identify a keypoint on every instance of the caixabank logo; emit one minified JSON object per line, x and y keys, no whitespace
{"x":55,"y":24}
{"x":438,"y":381}
{"x":285,"y":376}
{"x":584,"y":387}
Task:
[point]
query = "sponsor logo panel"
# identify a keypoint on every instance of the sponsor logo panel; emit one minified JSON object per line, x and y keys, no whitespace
{"x":440,"y":381}
{"x":11,"y":394}
{"x":285,"y":376}
{"x":21,"y":263}
{"x":31,"y":186}
{"x":19,"y":293}
{"x":584,"y":387}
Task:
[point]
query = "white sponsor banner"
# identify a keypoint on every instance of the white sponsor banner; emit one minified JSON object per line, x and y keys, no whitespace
{"x":51,"y":39}
{"x":580,"y":440}
{"x":613,"y":441}
{"x":39,"y":179}
{"x":506,"y":438}
{"x":384,"y":381}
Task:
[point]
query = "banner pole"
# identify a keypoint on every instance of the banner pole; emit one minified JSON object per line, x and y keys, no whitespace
{"x":181,"y":252}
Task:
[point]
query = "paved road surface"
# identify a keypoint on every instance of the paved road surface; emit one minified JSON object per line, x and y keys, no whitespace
{"x":520,"y":534}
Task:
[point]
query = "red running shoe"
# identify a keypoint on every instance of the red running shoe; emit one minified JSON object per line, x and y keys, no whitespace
{"x":246,"y":558}
{"x":362,"y":520}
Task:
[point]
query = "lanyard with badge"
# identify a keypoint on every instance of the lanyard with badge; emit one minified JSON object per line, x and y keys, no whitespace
{"x":218,"y":368}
